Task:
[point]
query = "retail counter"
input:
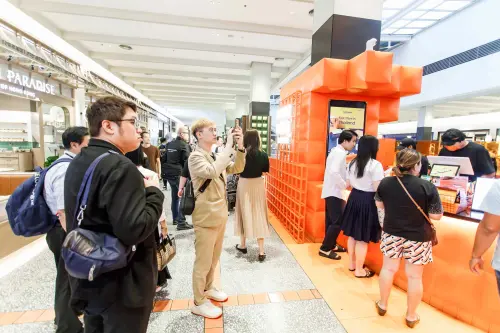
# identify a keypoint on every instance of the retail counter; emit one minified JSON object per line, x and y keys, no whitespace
{"x":449,"y":285}
{"x":9,"y":181}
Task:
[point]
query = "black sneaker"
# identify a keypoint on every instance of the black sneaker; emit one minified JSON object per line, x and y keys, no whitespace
{"x":184,"y":226}
{"x":175,"y":223}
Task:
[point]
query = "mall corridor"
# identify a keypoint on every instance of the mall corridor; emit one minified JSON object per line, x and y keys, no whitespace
{"x":293,"y":291}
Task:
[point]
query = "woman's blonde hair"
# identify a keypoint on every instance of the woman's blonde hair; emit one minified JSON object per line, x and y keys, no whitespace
{"x":406,"y":160}
{"x":199,"y":125}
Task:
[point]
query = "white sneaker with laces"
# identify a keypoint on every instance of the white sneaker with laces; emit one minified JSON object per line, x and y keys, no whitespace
{"x":216,"y":295}
{"x":207,"y":310}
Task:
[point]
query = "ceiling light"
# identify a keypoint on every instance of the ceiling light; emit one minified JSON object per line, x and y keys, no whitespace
{"x":453,"y":5}
{"x":125,"y":47}
{"x":292,"y":13}
{"x":388,"y":31}
{"x":435,"y":15}
{"x":399,"y":24}
{"x":430,"y":4}
{"x":397,"y":4}
{"x":414,"y":14}
{"x":407,"y":31}
{"x":420,"y":24}
{"x":230,"y":36}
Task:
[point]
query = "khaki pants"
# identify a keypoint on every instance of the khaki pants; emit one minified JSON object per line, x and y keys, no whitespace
{"x":208,"y":247}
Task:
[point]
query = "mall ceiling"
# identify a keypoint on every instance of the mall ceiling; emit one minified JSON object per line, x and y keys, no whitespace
{"x":463,"y":107}
{"x":195,"y":55}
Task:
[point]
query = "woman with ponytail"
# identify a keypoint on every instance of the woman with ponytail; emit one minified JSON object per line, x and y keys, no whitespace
{"x":360,"y":220}
{"x":407,"y":233}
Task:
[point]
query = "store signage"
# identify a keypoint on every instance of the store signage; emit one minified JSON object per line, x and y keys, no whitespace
{"x":15,"y":90}
{"x":284,"y":124}
{"x":23,"y":80}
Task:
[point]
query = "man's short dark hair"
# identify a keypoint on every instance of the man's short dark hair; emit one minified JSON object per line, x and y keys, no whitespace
{"x":347,"y":135}
{"x":162,"y":140}
{"x":107,"y":108}
{"x":452,"y":136}
{"x":74,"y":134}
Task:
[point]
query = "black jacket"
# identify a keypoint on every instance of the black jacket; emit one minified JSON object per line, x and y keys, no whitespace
{"x":119,"y":205}
{"x":176,"y":154}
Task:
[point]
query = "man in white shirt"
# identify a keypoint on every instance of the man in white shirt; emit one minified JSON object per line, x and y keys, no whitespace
{"x":334,"y":186}
{"x":487,"y":232}
{"x":74,"y":139}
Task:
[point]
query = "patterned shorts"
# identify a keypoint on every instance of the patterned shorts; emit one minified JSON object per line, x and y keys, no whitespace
{"x":416,"y":253}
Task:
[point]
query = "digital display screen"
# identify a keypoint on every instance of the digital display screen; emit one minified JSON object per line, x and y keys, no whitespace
{"x":345,"y":115}
{"x":441,"y":170}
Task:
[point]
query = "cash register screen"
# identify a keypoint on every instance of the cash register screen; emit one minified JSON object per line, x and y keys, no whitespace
{"x":442,"y":170}
{"x":483,"y":186}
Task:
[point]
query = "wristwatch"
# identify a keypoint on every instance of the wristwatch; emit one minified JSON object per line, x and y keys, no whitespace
{"x":241,"y":150}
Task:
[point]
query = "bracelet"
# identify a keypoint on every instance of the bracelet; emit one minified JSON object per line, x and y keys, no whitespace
{"x":241,"y":150}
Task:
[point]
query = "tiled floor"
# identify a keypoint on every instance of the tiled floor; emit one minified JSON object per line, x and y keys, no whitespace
{"x":293,"y":291}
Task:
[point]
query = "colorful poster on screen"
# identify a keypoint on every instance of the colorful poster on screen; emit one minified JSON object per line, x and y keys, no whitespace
{"x":342,"y":118}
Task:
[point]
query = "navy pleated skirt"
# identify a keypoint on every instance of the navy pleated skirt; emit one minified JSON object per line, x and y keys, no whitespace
{"x":360,"y":219}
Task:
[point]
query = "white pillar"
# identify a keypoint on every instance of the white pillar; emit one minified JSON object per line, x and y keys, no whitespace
{"x":424,"y":123}
{"x":79,"y":110}
{"x":260,"y":86}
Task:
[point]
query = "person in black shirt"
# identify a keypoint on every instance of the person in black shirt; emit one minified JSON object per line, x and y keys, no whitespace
{"x":123,"y":204}
{"x":175,"y":157}
{"x":406,"y":231}
{"x":454,"y":144}
{"x":252,"y":220}
{"x":409,"y":143}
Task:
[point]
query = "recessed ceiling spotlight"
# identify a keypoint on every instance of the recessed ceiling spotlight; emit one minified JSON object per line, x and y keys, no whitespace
{"x":126,"y":47}
{"x":292,"y":13}
{"x":311,"y":12}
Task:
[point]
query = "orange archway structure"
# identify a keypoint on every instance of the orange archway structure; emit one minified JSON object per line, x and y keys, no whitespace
{"x":296,"y":176}
{"x":295,"y":180}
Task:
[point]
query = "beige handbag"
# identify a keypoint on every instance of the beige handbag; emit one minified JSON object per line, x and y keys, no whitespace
{"x":165,"y":252}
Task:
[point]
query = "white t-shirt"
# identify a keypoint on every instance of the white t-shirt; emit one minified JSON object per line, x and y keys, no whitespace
{"x":491,"y":205}
{"x":374,"y":172}
{"x":335,"y":174}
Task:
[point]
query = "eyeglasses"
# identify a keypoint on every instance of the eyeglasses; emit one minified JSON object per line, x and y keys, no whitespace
{"x":133,"y":121}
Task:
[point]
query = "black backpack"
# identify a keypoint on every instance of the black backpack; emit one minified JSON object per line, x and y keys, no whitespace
{"x":188,"y":198}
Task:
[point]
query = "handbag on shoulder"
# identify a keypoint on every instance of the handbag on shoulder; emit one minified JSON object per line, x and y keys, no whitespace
{"x":434,"y":233}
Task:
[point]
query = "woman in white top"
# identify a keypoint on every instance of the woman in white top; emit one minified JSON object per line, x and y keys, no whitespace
{"x":137,"y":157}
{"x":360,"y":220}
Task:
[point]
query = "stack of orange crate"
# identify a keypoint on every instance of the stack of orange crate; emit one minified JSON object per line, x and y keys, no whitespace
{"x":287,"y":181}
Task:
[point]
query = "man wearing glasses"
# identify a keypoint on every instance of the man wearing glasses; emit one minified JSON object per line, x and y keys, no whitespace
{"x":123,"y":204}
{"x":176,"y":154}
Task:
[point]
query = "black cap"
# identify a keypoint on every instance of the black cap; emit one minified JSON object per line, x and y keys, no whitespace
{"x":407,"y":142}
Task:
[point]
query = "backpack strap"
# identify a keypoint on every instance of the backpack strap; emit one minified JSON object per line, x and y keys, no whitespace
{"x":83,"y":193}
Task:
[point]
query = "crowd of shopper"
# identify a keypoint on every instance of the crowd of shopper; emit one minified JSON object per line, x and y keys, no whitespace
{"x":396,"y":211}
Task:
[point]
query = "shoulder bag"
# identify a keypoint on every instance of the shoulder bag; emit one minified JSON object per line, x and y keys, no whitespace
{"x":434,"y":233}
{"x":88,"y":254}
{"x":188,"y":198}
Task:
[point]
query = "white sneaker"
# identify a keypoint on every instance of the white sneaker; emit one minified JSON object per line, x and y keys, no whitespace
{"x":216,"y":295}
{"x":207,"y":310}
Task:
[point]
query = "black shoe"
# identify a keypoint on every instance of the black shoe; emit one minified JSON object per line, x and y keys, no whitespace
{"x":175,"y":223}
{"x":332,"y":255}
{"x":262,"y":257}
{"x":244,"y":251}
{"x":184,"y":226}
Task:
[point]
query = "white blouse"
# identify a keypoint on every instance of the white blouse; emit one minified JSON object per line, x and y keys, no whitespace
{"x":374,"y":172}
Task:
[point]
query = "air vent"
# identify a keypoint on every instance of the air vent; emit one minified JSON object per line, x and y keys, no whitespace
{"x":464,"y":57}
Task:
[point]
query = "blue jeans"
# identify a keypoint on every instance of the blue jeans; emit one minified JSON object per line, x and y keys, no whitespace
{"x":174,"y":189}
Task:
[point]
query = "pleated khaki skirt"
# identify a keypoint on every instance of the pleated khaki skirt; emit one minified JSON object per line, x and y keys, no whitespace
{"x":252,"y":220}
